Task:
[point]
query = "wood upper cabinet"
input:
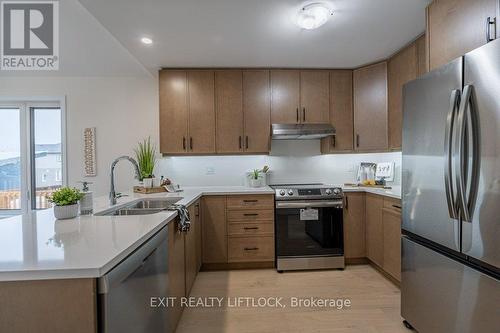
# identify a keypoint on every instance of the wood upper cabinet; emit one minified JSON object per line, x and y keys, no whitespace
{"x":213,"y":210}
{"x":176,"y":272}
{"x":354,"y":225}
{"x":285,"y":100}
{"x":421,"y":45}
{"x":256,"y":111}
{"x":401,"y":68}
{"x":455,"y":27}
{"x":229,"y":109}
{"x":341,"y":116}
{"x":392,"y":242}
{"x":374,"y":229}
{"x":314,"y":96}
{"x":370,"y":108}
{"x":201,"y":111}
{"x":173,"y":111}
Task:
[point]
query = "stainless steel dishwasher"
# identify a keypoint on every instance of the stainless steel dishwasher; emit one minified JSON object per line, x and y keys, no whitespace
{"x":125,"y":292}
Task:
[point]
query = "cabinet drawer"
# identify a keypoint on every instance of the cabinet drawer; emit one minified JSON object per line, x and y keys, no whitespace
{"x":392,"y":204}
{"x":250,"y":201}
{"x":250,"y":215}
{"x":249,"y":249}
{"x":249,"y":229}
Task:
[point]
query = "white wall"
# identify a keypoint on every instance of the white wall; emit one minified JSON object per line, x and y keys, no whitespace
{"x":290,"y":162}
{"x":123,"y":109}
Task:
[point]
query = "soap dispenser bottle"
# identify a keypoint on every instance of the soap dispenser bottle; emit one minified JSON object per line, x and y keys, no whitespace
{"x":86,"y":203}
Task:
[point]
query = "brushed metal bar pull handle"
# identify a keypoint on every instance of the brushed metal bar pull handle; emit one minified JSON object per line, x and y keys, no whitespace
{"x":184,"y":143}
{"x":239,"y":141}
{"x":246,"y":142}
{"x":191,"y":143}
{"x":250,"y":228}
{"x":251,"y":248}
{"x":303,"y":114}
{"x":490,"y":22}
{"x":396,"y":206}
{"x":357,"y":140}
{"x":334,"y":141}
{"x":297,"y":114}
{"x":248,"y":200}
{"x":251,"y":214}
{"x":346,"y":202}
{"x":448,"y":146}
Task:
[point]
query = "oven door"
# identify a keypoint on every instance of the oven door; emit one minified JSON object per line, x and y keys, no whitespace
{"x":309,"y":228}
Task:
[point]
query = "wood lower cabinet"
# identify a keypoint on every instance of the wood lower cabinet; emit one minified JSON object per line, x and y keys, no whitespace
{"x":251,"y":248}
{"x":256,"y":111}
{"x":392,"y":242}
{"x":192,"y":247}
{"x":370,"y":108}
{"x":354,"y":225}
{"x":455,"y":27}
{"x":341,"y":116}
{"x":401,"y":68}
{"x":374,"y":229}
{"x":285,"y":100}
{"x":176,"y":272}
{"x":213,"y":210}
{"x":314,"y":96}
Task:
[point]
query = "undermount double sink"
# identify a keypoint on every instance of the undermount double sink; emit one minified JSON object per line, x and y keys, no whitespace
{"x":141,"y":207}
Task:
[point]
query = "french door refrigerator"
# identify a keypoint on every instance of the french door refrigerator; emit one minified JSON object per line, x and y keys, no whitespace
{"x":451,"y":196}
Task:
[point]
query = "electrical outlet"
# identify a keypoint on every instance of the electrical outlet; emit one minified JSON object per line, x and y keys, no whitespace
{"x":210,"y":171}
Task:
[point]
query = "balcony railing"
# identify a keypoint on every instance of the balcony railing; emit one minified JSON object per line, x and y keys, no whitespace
{"x":12,"y":199}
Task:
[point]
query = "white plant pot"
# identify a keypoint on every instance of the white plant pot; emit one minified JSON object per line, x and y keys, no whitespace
{"x":66,"y":212}
{"x":255,"y":182}
{"x":147,"y":182}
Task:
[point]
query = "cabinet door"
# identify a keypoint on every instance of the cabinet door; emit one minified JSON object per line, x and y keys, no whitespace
{"x":421,"y":46}
{"x":370,"y":108}
{"x":341,"y":116}
{"x":201,"y":112}
{"x":229,"y":109}
{"x":455,"y":27}
{"x":285,"y":95}
{"x":354,"y":225}
{"x":374,"y":229}
{"x":257,"y":111}
{"x":392,"y":242}
{"x":401,"y":68}
{"x":176,"y":273}
{"x":314,"y":96}
{"x":214,"y":229}
{"x":190,"y":250}
{"x":173,"y":111}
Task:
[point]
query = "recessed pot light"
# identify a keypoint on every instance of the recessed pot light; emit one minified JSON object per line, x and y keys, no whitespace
{"x":146,"y":40}
{"x":313,"y":15}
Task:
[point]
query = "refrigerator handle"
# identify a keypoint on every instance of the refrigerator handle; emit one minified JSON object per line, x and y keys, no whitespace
{"x":467,"y":196}
{"x":448,"y":145}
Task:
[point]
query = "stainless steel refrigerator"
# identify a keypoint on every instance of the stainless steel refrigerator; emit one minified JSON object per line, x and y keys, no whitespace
{"x":451,"y":196}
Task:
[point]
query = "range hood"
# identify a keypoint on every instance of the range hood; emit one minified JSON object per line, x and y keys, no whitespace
{"x":301,"y":131}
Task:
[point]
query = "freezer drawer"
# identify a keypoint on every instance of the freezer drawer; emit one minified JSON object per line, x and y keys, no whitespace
{"x":440,"y":295}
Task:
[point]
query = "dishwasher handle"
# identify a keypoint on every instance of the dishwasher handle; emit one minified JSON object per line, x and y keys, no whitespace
{"x":132,"y":263}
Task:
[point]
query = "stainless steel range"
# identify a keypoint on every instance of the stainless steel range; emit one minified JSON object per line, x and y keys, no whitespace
{"x":309,"y":227}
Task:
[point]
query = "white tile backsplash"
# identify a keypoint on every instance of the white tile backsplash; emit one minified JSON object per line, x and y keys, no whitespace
{"x":294,"y":161}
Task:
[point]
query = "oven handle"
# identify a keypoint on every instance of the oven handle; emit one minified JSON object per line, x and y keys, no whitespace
{"x":308,"y":204}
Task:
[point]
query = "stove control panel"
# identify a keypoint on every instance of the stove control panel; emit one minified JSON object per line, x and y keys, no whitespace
{"x":308,"y":193}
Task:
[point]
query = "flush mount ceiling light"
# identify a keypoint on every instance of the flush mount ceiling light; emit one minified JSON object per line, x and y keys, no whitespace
{"x":313,"y":15}
{"x":146,"y":40}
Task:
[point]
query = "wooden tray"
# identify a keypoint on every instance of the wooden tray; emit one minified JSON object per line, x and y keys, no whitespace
{"x":149,"y":190}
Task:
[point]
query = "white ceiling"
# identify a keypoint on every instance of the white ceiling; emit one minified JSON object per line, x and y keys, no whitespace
{"x":258,"y":33}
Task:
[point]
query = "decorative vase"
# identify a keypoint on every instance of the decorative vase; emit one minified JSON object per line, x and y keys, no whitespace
{"x":255,"y":182}
{"x":147,"y":182}
{"x":66,"y":212}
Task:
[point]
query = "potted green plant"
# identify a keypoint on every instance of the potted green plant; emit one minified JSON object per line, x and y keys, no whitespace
{"x":66,"y":201}
{"x":256,"y":176}
{"x":145,"y":155}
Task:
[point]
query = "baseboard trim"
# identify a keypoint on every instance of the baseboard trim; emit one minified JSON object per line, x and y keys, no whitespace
{"x":237,"y":265}
{"x":384,"y":273}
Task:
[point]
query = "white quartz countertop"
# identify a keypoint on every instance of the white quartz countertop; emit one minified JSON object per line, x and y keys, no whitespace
{"x":36,"y":246}
{"x":393,"y":192}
